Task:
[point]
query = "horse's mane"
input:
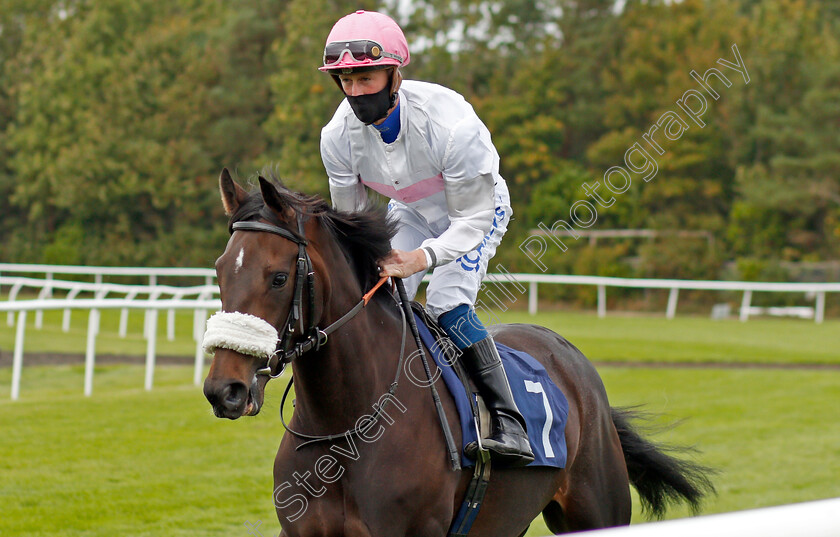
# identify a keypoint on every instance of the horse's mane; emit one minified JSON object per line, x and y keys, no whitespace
{"x":364,"y":236}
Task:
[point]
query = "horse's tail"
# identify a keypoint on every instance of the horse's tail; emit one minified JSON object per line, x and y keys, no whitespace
{"x":659,"y":478}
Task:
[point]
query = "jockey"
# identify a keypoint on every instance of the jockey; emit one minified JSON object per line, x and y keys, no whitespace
{"x":424,"y":147}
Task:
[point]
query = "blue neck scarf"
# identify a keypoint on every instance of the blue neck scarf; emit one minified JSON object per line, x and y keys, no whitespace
{"x":390,"y":128}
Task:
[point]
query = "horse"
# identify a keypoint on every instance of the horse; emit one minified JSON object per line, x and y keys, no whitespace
{"x":367,"y":457}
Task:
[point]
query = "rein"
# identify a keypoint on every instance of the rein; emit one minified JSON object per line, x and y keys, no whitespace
{"x":317,"y":336}
{"x":321,"y":337}
{"x":311,"y":439}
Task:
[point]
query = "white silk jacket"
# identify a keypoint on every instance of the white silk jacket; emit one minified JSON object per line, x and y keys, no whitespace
{"x":442,"y":165}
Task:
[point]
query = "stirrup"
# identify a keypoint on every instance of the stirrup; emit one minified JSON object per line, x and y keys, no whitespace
{"x":515,"y":458}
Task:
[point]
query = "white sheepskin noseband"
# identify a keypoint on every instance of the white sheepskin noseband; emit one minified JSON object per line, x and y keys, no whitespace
{"x":240,"y":332}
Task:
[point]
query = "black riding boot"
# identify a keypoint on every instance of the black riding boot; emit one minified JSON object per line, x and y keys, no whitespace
{"x":508,"y":443}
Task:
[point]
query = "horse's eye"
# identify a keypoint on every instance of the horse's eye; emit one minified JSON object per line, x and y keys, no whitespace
{"x":279,"y":279}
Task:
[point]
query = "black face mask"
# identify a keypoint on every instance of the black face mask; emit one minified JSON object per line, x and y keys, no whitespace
{"x":373,"y":107}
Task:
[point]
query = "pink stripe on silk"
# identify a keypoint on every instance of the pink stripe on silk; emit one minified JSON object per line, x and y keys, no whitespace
{"x":415,"y":192}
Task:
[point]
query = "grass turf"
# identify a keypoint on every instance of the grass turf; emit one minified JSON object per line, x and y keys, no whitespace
{"x":51,"y":338}
{"x":158,"y":463}
{"x":694,"y":339}
{"x":615,"y":338}
{"x":130,"y":462}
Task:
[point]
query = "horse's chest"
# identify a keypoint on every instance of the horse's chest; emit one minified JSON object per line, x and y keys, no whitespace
{"x":344,"y":492}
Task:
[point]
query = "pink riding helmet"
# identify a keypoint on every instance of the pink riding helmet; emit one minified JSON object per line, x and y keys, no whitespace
{"x":365,"y":39}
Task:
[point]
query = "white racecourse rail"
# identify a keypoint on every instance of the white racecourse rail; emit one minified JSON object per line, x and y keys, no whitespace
{"x":200,"y":306}
{"x":99,"y":272}
{"x":202,"y":299}
{"x":817,"y":290}
{"x":809,"y":519}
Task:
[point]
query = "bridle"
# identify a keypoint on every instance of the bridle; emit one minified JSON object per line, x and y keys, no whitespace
{"x":285,"y":352}
{"x":304,"y":275}
{"x":316,"y":337}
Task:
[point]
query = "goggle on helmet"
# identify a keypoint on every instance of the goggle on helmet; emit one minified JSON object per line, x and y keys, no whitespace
{"x":365,"y":39}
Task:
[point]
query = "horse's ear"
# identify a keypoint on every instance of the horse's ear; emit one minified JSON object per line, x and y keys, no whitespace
{"x":233,"y":195}
{"x":272,"y":198}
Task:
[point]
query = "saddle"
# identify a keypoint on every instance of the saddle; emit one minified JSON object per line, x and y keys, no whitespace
{"x":541,"y":402}
{"x":480,"y":415}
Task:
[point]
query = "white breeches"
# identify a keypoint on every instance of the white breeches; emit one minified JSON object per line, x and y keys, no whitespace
{"x":457,"y":282}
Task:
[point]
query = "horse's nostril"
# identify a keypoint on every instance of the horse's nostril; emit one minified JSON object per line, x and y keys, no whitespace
{"x":233,"y":395}
{"x":227,"y":398}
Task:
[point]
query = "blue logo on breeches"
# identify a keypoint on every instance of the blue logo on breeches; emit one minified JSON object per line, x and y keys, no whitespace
{"x":472,"y":264}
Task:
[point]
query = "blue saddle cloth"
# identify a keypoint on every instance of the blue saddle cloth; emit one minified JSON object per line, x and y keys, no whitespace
{"x":540,"y":400}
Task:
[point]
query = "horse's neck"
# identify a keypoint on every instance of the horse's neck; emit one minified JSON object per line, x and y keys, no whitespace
{"x":341,"y":381}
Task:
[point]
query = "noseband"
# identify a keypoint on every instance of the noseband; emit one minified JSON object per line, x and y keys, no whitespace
{"x":305,"y":275}
{"x":285,"y":353}
{"x":317,"y":337}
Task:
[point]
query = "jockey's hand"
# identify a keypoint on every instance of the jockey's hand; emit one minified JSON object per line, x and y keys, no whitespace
{"x":402,"y":264}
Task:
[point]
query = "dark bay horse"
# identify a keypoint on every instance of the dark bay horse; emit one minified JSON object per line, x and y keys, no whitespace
{"x":391,"y":475}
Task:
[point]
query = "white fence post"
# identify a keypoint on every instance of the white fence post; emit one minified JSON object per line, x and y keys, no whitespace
{"x":745,"y":305}
{"x":170,"y":325}
{"x":151,"y":340}
{"x":17,"y":364}
{"x":46,"y":292}
{"x":10,"y":318}
{"x":820,"y":308}
{"x":602,"y":301}
{"x":90,"y":351}
{"x":672,"y":303}
{"x":199,"y":321}
{"x":124,"y":315}
{"x":170,"y":318}
{"x":532,"y":298}
{"x":65,"y":320}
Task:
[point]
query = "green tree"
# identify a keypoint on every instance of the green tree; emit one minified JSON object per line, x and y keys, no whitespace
{"x":15,"y":17}
{"x":661,"y":45}
{"x":116,"y":117}
{"x":125,"y":113}
{"x":304,"y":98}
{"x":788,"y":180}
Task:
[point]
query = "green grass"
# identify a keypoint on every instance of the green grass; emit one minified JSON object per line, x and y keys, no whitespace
{"x":692,"y":339}
{"x":51,"y":338}
{"x":773,"y":435}
{"x":614,"y":338}
{"x":130,"y":462}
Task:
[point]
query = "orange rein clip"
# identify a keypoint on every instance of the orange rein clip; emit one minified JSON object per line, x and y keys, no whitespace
{"x":367,"y":296}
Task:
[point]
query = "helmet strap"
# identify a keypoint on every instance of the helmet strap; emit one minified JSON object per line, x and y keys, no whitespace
{"x":396,"y":82}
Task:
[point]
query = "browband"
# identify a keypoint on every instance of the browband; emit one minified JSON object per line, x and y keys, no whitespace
{"x":268,"y":228}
